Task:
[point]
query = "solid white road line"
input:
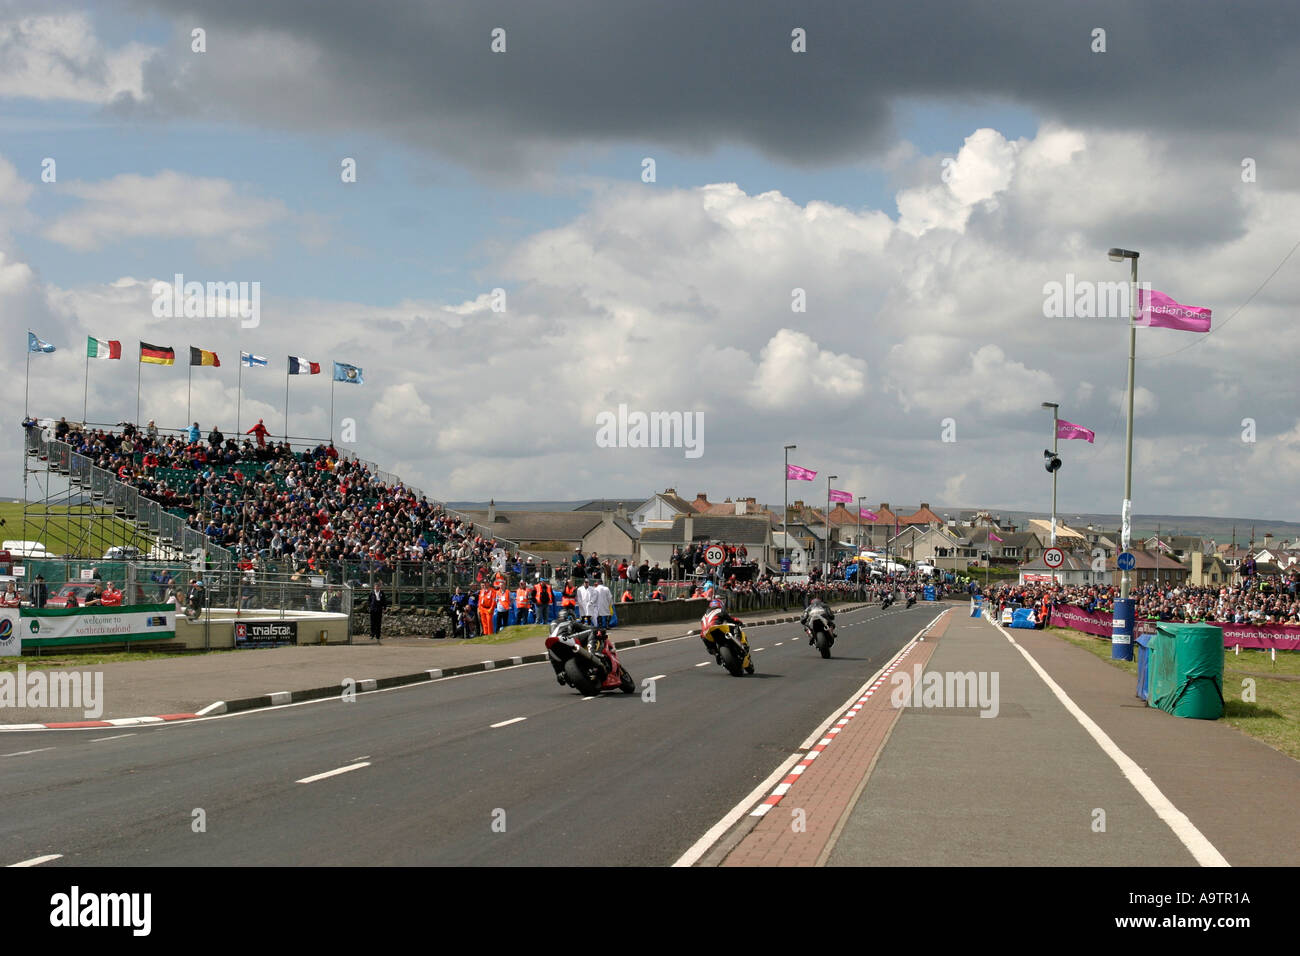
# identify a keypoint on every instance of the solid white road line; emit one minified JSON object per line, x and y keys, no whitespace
{"x":704,"y":663}
{"x":38,"y":860}
{"x":1202,"y":850}
{"x":702,"y":845}
{"x":507,"y":723}
{"x":332,"y":773}
{"x":118,"y":737}
{"x":23,"y":753}
{"x":657,"y":677}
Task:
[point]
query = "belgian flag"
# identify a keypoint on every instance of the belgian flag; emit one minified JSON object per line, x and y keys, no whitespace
{"x":157,"y":354}
{"x":201,"y":357}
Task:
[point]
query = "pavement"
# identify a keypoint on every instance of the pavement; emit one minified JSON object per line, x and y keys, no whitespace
{"x":183,"y":687}
{"x":1031,"y":785}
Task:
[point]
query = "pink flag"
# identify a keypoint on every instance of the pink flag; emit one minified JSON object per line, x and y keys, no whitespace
{"x":1162,"y":312}
{"x":1065,"y":429}
{"x":795,"y":473}
{"x":993,"y":537}
{"x":843,"y":496}
{"x":869,"y":515}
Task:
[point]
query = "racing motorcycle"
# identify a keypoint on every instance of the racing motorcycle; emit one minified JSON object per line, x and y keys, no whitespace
{"x":726,"y":642}
{"x":821,"y":631}
{"x":887,"y":600}
{"x":585,"y":659}
{"x":911,"y":599}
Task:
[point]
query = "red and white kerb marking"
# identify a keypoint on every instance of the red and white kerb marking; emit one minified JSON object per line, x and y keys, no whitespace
{"x":782,"y":788}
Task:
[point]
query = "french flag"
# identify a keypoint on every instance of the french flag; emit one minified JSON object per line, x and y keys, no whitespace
{"x":299,"y":366}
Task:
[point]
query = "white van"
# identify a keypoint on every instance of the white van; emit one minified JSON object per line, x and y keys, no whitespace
{"x":26,"y":549}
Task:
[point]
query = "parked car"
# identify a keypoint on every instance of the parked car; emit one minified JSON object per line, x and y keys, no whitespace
{"x":26,"y":549}
{"x":123,"y":553}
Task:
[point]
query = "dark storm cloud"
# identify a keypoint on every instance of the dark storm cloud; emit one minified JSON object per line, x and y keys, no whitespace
{"x":694,"y":74}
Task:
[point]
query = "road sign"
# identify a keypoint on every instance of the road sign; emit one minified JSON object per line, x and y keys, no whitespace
{"x":714,"y":555}
{"x":1053,"y":557}
{"x":1126,"y":561}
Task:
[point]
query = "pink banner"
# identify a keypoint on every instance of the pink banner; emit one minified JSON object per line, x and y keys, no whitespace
{"x":1066,"y":429}
{"x":795,"y":473}
{"x":868,"y":515}
{"x":1284,"y":637}
{"x":1162,"y":312}
{"x":843,"y":496}
{"x":993,"y":537}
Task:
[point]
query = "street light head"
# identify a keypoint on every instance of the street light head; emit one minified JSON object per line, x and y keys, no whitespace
{"x":788,"y":447}
{"x":1051,"y":405}
{"x":1119,"y":255}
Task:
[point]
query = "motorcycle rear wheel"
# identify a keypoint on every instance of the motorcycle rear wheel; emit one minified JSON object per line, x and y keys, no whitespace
{"x":823,"y":643}
{"x":734,"y":665}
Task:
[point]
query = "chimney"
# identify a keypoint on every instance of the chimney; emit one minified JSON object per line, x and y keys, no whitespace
{"x":607,"y":518}
{"x":492,"y":511}
{"x":622,"y":510}
{"x":688,"y":528}
{"x":670,"y":491}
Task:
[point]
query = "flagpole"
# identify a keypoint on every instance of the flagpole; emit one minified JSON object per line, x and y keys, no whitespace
{"x":239,"y":391}
{"x":138,"y":365}
{"x":85,"y":392}
{"x":189,"y":382}
{"x":27,"y":377}
{"x":286,"y":402}
{"x":331,"y":409}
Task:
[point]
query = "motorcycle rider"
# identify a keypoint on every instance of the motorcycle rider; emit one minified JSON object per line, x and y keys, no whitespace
{"x":816,"y":606}
{"x":715,"y":615}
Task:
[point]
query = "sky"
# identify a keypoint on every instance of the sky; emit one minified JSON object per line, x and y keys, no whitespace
{"x":813,"y":223}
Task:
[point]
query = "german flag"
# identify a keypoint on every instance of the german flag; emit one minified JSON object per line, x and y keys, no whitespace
{"x":200,"y":357}
{"x":157,"y":354}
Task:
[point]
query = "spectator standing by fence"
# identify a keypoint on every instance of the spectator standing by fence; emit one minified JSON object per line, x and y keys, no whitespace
{"x":377,"y":602}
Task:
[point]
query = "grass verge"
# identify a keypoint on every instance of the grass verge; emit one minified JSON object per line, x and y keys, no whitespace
{"x":1274,"y":714}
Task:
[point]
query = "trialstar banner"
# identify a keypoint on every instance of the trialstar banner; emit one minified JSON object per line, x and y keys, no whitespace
{"x":11,"y":636}
{"x":98,"y":625}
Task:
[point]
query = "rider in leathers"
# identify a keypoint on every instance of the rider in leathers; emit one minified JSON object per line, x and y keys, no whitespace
{"x":813,"y":607}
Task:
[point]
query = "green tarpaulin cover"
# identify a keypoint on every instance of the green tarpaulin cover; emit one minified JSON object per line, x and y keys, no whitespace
{"x":1186,"y":670}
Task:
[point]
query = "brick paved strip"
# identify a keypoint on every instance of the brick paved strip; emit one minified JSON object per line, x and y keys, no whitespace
{"x":820,"y":790}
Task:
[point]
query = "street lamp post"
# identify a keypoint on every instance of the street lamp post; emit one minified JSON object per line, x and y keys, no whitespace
{"x":785,"y":509}
{"x":1121,"y":642}
{"x":826,"y":567}
{"x":1052,"y":464}
{"x":857,"y":558}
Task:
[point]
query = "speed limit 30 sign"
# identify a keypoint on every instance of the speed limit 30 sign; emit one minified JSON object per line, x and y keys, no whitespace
{"x":714,"y":555}
{"x":1053,"y":557}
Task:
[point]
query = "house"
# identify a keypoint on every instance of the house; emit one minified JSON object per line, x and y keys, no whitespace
{"x":753,"y":531}
{"x":555,"y":534}
{"x":800,"y":557}
{"x":1066,"y":537}
{"x":660,"y":510}
{"x":1151,"y":567}
{"x":1208,"y":569}
{"x":1015,"y":547}
{"x":1078,"y":567}
{"x":938,"y":546}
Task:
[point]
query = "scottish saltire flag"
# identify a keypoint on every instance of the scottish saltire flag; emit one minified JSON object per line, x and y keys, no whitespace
{"x":795,"y":473}
{"x":35,"y":344}
{"x":869,"y":515}
{"x":298,"y":366}
{"x":348,"y":373}
{"x":103,"y":348}
{"x":842,"y":496}
{"x":1161,"y":312}
{"x":251,"y":360}
{"x":1065,"y":429}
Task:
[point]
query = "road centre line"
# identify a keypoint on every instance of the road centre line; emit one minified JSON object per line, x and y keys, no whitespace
{"x":507,"y":723}
{"x":332,"y":773}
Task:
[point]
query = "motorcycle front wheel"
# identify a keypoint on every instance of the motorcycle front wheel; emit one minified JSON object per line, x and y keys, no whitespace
{"x":823,"y":643}
{"x":627,"y":684}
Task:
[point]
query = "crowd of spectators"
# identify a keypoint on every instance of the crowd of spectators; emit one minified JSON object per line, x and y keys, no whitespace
{"x":264,"y":501}
{"x":1256,"y":600}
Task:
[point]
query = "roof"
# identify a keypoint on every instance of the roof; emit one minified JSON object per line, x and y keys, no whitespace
{"x":676,"y":501}
{"x":736,"y":529}
{"x":979,"y":537}
{"x":611,"y":504}
{"x":1062,"y":530}
{"x":1149,"y":561}
{"x":524,"y":526}
{"x":922,"y":515}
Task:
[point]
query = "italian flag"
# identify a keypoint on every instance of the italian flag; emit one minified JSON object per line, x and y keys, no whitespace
{"x":103,"y":348}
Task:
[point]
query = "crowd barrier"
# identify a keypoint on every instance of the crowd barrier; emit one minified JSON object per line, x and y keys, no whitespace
{"x":1283,"y":637}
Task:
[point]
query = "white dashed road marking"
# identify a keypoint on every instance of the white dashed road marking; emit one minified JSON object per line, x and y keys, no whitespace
{"x":333,"y":773}
{"x":506,"y":723}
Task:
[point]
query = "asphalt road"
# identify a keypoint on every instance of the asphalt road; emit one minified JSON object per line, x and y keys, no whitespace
{"x":614,"y":780}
